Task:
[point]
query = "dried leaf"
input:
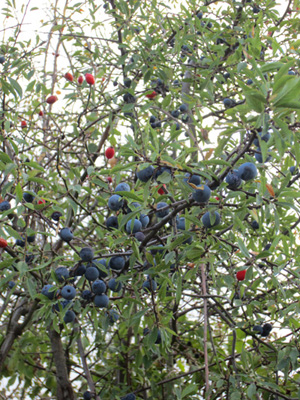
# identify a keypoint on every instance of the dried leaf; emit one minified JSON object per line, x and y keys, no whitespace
{"x":208,"y":154}
{"x":196,"y":187}
{"x":204,"y":133}
{"x":270,"y":190}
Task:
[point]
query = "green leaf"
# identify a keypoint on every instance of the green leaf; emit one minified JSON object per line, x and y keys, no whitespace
{"x":153,"y":336}
{"x":19,"y":193}
{"x":270,"y":67}
{"x":39,"y":180}
{"x":178,"y":289}
{"x":57,"y":27}
{"x":289,"y":104}
{"x":256,"y":101}
{"x":92,"y":147}
{"x":282,"y":75}
{"x":121,"y":167}
{"x":13,"y":233}
{"x":130,"y":195}
{"x":6,"y":263}
{"x":31,"y":287}
{"x":5,"y":158}
{"x":251,"y":391}
{"x":289,"y":92}
{"x":16,"y":86}
{"x":35,"y":165}
{"x":165,"y":177}
{"x":166,"y":101}
{"x":243,"y":248}
{"x":241,"y":66}
{"x":73,"y":205}
{"x":192,"y":388}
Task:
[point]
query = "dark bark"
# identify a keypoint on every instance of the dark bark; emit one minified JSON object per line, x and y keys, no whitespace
{"x":14,"y":328}
{"x":64,"y":387}
{"x":13,"y":331}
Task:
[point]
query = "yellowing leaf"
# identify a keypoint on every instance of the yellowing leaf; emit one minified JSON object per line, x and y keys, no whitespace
{"x":254,"y":214}
{"x":167,"y":163}
{"x":247,"y":55}
{"x":41,"y":157}
{"x":270,"y":190}
{"x":58,"y":92}
{"x":208,"y":154}
{"x":196,"y":187}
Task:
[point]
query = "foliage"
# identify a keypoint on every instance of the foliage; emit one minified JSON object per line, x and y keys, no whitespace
{"x":181,"y":324}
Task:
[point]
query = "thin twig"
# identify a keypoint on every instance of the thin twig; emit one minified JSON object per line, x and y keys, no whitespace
{"x":203,"y":282}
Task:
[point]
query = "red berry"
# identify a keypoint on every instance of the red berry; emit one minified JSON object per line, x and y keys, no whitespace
{"x":151,"y":95}
{"x":240,"y":275}
{"x":109,"y":152}
{"x":3,"y":243}
{"x":161,"y":189}
{"x":109,"y":179}
{"x":217,"y":198}
{"x":42,"y":201}
{"x":80,"y":80}
{"x":23,"y":124}
{"x":41,"y":113}
{"x":90,"y":79}
{"x":52,"y":99}
{"x":69,"y":77}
